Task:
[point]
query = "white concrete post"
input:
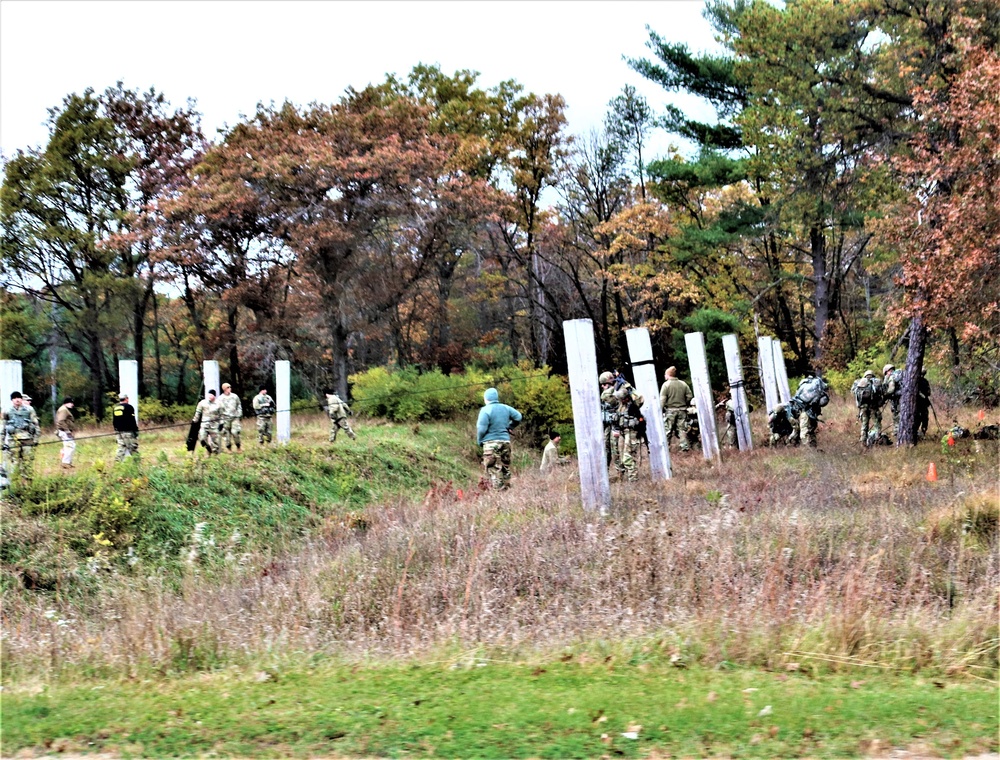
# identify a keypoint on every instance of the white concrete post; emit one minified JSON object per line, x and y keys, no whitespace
{"x":702,"y":388}
{"x":581,"y":358}
{"x":731,"y":346}
{"x":283,"y":399}
{"x":641,"y":355}
{"x":211,"y":373}
{"x":128,"y":382}
{"x":765,"y":360}
{"x":780,"y":373}
{"x":10,"y":381}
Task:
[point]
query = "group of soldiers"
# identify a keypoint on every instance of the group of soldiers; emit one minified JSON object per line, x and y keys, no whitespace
{"x":217,"y":422}
{"x":871,"y":395}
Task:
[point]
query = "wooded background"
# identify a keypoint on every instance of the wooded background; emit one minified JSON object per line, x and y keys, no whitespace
{"x":844,"y":200}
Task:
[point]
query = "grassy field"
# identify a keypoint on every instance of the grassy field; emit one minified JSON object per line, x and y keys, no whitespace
{"x":856,"y":597}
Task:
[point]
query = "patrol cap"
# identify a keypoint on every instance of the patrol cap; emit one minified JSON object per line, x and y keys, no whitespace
{"x":226,"y":385}
{"x":26,"y":397}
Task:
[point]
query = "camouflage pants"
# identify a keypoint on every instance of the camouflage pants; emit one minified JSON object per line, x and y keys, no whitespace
{"x":675,"y":424}
{"x":265,"y":426}
{"x":496,"y":461}
{"x":128,"y":444}
{"x":730,"y":434}
{"x":337,"y":424}
{"x":894,"y":407}
{"x":871,"y":424}
{"x":230,"y":430}
{"x":20,"y":458}
{"x":807,"y":429}
{"x":628,"y":453}
{"x":612,"y":451}
{"x":208,"y":435}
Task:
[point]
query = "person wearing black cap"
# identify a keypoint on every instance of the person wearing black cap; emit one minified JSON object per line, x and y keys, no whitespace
{"x":123,"y":416}
{"x":21,"y":431}
{"x":263,"y":406}
{"x":65,"y":428}
{"x":208,"y":413}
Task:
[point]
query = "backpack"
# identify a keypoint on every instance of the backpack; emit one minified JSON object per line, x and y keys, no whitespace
{"x":813,"y":391}
{"x":780,"y":424}
{"x":866,"y":392}
{"x":894,"y":384}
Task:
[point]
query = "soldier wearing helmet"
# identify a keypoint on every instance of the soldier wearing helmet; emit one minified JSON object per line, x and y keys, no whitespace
{"x":892,"y":391}
{"x":867,"y":392}
{"x":628,"y":428}
{"x":609,"y":408}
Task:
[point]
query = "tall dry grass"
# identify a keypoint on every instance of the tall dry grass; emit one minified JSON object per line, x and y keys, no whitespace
{"x":823,"y":558}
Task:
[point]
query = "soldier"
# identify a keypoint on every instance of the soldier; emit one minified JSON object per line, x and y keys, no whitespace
{"x":609,"y":408}
{"x":808,"y":403}
{"x":65,"y":429}
{"x":126,"y":428}
{"x":493,"y":428}
{"x":692,"y":426}
{"x":550,"y":454}
{"x":867,"y":392}
{"x":208,"y":413}
{"x":21,"y":432}
{"x":892,"y":390}
{"x":923,"y":403}
{"x":675,"y":396}
{"x":784,"y":426}
{"x":629,"y":427}
{"x":338,"y":411}
{"x":731,"y":439}
{"x":230,"y":414}
{"x":263,"y":406}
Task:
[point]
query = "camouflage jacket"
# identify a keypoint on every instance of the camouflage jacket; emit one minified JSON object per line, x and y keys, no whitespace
{"x":229,"y":406}
{"x":263,"y":405}
{"x":21,"y":422}
{"x":207,"y":411}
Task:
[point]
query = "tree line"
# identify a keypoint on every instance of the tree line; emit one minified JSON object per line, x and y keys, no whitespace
{"x":843,"y":199}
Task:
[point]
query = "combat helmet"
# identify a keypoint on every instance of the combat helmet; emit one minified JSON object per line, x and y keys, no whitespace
{"x":888,"y":368}
{"x":869,"y":373}
{"x":606,"y":378}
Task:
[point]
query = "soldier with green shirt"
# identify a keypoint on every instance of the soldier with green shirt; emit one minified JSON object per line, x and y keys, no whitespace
{"x":230,"y":414}
{"x":263,"y":406}
{"x":21,"y":432}
{"x":675,"y":396}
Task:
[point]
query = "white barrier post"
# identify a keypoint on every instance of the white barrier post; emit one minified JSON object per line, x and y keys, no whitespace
{"x":10,"y":380}
{"x":765,"y":360}
{"x":731,"y":346}
{"x":641,"y":355}
{"x":702,"y":388}
{"x":581,"y":358}
{"x":283,"y":400}
{"x":210,"y":371}
{"x":780,"y":373}
{"x":128,"y":382}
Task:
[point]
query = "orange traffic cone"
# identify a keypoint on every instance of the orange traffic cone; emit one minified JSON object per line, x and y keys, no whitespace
{"x":931,"y":472}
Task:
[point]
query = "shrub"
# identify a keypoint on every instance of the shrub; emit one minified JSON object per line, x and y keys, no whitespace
{"x":408,"y":395}
{"x":155,"y":411}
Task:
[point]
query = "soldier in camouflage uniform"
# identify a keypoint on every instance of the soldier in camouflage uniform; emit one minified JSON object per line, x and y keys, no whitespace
{"x":230,"y":413}
{"x":338,"y":411}
{"x":730,"y":437}
{"x":923,"y":403}
{"x":609,"y":408}
{"x":784,"y":426}
{"x":867,"y":392}
{"x":626,"y":429}
{"x":892,"y":390}
{"x":208,"y":414}
{"x":126,"y":428}
{"x":263,"y":406}
{"x":21,"y":432}
{"x":808,"y":403}
{"x":675,"y":396}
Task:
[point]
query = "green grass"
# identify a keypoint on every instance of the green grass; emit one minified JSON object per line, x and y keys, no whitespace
{"x":563,"y":708}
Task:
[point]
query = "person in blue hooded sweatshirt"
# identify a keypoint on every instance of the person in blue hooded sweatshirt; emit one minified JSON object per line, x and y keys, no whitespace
{"x":493,"y":428}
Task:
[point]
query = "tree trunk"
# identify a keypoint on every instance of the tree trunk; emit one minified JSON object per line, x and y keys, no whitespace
{"x":908,"y":400}
{"x":817,"y":241}
{"x":235,"y":374}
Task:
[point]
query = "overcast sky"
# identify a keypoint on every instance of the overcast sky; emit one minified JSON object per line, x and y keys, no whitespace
{"x":229,"y":56}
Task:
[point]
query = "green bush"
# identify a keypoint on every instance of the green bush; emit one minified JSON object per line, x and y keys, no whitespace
{"x":154,"y":411}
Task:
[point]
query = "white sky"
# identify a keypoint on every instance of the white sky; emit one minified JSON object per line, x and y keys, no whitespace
{"x":229,"y":56}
